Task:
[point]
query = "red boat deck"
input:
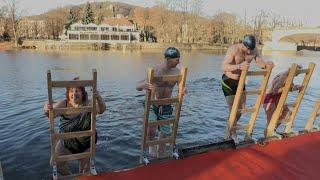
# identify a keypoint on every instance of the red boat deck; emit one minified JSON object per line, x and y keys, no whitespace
{"x":291,"y":158}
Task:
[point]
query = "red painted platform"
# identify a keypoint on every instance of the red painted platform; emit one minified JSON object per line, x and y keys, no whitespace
{"x":291,"y":158}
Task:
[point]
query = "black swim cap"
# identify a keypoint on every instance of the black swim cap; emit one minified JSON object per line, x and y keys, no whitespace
{"x":172,"y":52}
{"x":249,"y":41}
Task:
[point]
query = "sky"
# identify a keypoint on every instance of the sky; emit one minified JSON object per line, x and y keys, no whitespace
{"x":306,"y":10}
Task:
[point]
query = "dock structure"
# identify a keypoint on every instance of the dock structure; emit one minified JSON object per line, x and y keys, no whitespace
{"x":290,"y":158}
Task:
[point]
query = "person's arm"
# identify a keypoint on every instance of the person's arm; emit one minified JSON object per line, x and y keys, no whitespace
{"x":260,"y":62}
{"x":101,"y":105}
{"x":59,"y":104}
{"x":226,"y":65}
{"x":143,"y":85}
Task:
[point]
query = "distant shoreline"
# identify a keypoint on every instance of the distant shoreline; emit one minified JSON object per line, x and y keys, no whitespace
{"x":64,"y":45}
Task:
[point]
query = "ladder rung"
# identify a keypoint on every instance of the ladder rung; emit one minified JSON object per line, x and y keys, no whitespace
{"x":164,"y":101}
{"x":72,"y":157}
{"x":246,"y":110}
{"x":75,"y":83}
{"x":301,"y":71}
{"x":161,"y":122}
{"x":240,"y":126}
{"x":160,"y":141}
{"x":252,"y":92}
{"x":73,"y":134}
{"x":291,"y":104}
{"x":256,"y":73}
{"x":169,"y":78}
{"x":73,"y":110}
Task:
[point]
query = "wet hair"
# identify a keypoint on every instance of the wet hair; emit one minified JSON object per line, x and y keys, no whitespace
{"x":171,"y":52}
{"x":82,"y":89}
{"x":249,"y":41}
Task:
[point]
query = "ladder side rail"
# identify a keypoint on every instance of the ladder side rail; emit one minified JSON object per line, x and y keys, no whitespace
{"x":236,"y":103}
{"x":277,"y":113}
{"x":305,"y":83}
{"x":258,"y":102}
{"x":145,"y":127}
{"x":313,"y":116}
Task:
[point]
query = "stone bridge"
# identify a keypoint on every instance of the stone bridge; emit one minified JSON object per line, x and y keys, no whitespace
{"x":288,"y":39}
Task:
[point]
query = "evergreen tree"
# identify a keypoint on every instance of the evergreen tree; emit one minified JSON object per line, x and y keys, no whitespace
{"x":88,"y":16}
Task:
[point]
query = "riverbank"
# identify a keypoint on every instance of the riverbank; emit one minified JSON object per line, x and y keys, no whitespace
{"x":6,"y":45}
{"x":64,"y":45}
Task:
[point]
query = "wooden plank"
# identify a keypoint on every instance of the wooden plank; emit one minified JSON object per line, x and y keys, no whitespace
{"x":74,"y":83}
{"x":72,"y":157}
{"x":93,"y":114}
{"x":258,"y":102}
{"x":150,"y":74}
{"x":256,"y":73}
{"x":51,"y":120}
{"x":77,"y":134}
{"x":160,"y":141}
{"x":181,"y":87}
{"x":247,"y":110}
{"x":161,"y":122}
{"x":164,"y":101}
{"x":307,"y":77}
{"x":302,"y":71}
{"x":170,"y":78}
{"x":293,"y":104}
{"x":314,"y":114}
{"x":277,"y":113}
{"x":70,"y":110}
{"x":236,"y":102}
{"x":252,"y":92}
{"x":240,"y":126}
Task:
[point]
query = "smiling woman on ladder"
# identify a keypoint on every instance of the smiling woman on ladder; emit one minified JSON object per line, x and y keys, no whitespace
{"x":72,"y":122}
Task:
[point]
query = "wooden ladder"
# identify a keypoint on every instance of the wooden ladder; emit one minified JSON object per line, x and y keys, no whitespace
{"x":149,"y":100}
{"x":295,"y":105}
{"x":254,"y":110}
{"x":55,"y":136}
{"x":313,"y":116}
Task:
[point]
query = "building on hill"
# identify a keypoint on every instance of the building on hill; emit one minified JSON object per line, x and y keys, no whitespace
{"x":112,"y":30}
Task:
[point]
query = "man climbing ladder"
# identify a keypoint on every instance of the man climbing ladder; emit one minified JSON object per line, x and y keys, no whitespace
{"x":238,"y":108}
{"x":158,"y":115}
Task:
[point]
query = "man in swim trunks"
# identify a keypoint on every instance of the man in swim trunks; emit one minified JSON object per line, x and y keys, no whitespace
{"x":273,"y":95}
{"x":162,"y":90}
{"x":238,"y":58}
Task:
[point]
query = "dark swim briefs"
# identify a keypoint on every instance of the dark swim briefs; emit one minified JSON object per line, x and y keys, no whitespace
{"x":229,"y":86}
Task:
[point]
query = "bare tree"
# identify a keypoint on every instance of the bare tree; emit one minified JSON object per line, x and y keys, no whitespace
{"x":14,"y":14}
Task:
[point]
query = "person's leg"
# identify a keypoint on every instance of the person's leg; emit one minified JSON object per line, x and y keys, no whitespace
{"x":84,"y":164}
{"x":152,"y":133}
{"x":269,"y":109}
{"x":62,"y":167}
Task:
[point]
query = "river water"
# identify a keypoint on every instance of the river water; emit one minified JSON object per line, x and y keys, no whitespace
{"x":24,"y":130}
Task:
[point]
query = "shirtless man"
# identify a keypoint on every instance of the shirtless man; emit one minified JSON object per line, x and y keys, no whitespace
{"x":162,"y":90}
{"x":238,"y":58}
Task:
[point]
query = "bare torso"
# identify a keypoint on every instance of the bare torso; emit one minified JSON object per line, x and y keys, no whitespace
{"x":238,"y":57}
{"x":164,"y":89}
